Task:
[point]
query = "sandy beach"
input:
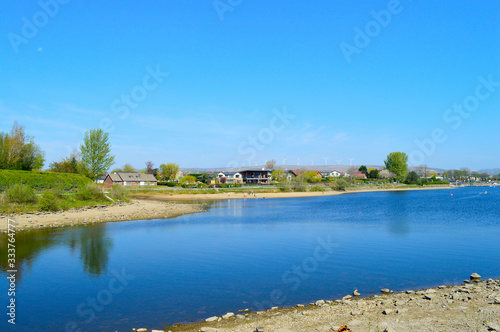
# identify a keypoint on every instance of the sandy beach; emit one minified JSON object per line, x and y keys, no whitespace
{"x":135,"y":210}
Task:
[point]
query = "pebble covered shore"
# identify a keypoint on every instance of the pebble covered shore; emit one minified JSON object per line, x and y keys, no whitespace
{"x":471,"y":306}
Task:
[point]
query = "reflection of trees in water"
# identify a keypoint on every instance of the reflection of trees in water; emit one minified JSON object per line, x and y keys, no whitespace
{"x":28,"y":246}
{"x":94,"y":249}
{"x":92,"y":241}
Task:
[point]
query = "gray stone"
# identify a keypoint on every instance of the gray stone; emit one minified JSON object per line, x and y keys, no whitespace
{"x":356,"y":293}
{"x":228,"y":315}
{"x":347,"y":297}
{"x":429,"y":296}
{"x":208,"y":329}
{"x":430,"y":291}
{"x":496,"y":300}
{"x":493,"y":326}
{"x":240,"y":316}
{"x":385,"y":291}
{"x":475,"y":276}
{"x":259,"y":329}
{"x":320,"y":302}
{"x":142,"y":329}
{"x":212,"y":319}
{"x":387,"y":311}
{"x":157,"y":330}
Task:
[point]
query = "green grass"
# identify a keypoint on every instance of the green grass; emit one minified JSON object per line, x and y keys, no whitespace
{"x":42,"y":180}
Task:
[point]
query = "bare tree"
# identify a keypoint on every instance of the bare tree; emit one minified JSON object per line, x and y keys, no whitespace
{"x":270,"y":164}
{"x":149,"y":167}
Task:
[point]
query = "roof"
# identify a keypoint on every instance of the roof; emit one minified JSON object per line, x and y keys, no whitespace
{"x":132,"y":176}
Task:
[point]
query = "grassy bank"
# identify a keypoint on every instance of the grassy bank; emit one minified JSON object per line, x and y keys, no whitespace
{"x":23,"y":191}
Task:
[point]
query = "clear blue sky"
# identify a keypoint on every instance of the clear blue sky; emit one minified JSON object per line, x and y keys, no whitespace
{"x":231,"y":68}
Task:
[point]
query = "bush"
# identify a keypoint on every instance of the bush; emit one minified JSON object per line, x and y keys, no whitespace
{"x":167,"y":183}
{"x":202,"y":185}
{"x":340,"y":185}
{"x":317,"y":188}
{"x":21,"y":194}
{"x":90,"y":192}
{"x":48,"y":202}
{"x":119,"y":192}
{"x":413,"y":178}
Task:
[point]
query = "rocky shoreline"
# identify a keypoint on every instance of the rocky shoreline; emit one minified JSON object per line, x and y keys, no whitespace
{"x":135,"y":210}
{"x":471,"y":306}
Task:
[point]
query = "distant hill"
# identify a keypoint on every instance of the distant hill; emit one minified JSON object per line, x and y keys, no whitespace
{"x":491,"y":171}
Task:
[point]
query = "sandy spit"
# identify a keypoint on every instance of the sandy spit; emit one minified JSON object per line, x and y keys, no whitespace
{"x":135,"y":210}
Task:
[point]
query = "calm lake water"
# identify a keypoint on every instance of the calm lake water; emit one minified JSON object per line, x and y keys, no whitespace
{"x":250,"y":254}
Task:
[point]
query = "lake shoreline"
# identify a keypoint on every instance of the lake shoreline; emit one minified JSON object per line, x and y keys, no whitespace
{"x":134,"y":210}
{"x":469,"y":306}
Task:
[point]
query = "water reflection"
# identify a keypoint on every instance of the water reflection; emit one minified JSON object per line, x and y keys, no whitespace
{"x":28,"y":246}
{"x":398,"y":214}
{"x":92,"y":242}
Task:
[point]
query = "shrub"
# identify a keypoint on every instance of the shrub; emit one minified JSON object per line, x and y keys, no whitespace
{"x":48,"y":202}
{"x":89,"y":192}
{"x":202,"y":185}
{"x":340,"y":185}
{"x":413,"y":178}
{"x":317,"y":188}
{"x":21,"y":194}
{"x":119,"y":192}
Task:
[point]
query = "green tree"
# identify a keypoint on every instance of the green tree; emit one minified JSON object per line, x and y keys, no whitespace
{"x":128,"y":168}
{"x":169,"y":171}
{"x":188,"y":179}
{"x":96,"y":152}
{"x":373,"y":173}
{"x":19,"y":151}
{"x":363,"y":170}
{"x":397,"y":163}
{"x":71,"y":164}
{"x":278,"y":175}
{"x":413,"y":178}
{"x":310,"y":176}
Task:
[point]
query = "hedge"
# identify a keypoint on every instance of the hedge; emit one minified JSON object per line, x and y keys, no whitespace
{"x":42,"y":180}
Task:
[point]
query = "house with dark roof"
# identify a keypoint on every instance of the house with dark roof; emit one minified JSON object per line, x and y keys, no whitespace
{"x":261,"y":175}
{"x":130,"y":179}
